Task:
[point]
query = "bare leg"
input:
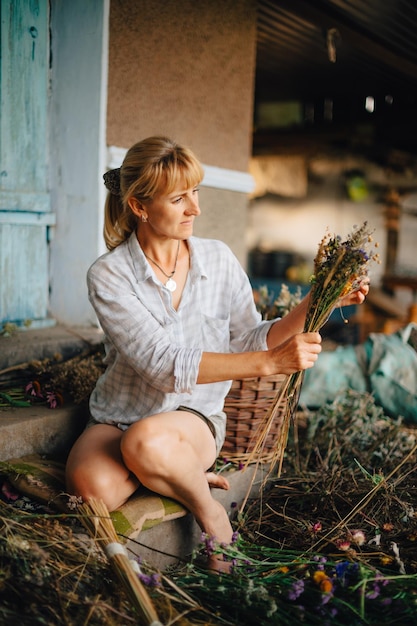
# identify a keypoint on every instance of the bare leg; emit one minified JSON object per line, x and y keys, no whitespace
{"x":95,"y":467}
{"x":170,"y":453}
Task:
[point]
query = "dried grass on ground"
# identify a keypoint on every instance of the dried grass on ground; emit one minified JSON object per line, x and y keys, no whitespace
{"x":349,"y":468}
{"x":332,"y":541}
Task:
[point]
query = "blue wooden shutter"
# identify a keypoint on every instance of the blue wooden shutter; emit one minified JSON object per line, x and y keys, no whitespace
{"x":25,"y":215}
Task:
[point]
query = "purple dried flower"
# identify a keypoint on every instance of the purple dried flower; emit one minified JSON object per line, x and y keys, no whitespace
{"x":326,"y":597}
{"x":51,"y":399}
{"x":374,"y":593}
{"x":209,"y":544}
{"x":34,"y":389}
{"x":154,"y":580}
{"x":297,"y":588}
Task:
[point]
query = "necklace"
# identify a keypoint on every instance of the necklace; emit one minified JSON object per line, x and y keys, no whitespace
{"x":171,"y":285}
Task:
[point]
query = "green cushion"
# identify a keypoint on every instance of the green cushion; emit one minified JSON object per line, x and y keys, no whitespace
{"x":44,"y":480}
{"x":144,"y":510}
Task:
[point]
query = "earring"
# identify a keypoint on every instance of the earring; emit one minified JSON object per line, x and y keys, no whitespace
{"x":144,"y":218}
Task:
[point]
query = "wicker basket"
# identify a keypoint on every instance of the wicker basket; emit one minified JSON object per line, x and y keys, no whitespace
{"x":245,"y":406}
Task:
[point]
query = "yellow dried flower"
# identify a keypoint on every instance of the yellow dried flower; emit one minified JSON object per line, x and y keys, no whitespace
{"x":326,"y":586}
{"x":323,"y":581}
{"x":319,"y":576}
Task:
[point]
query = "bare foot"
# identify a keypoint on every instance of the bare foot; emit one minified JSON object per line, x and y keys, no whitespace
{"x":217,"y":480}
{"x":218,"y":565}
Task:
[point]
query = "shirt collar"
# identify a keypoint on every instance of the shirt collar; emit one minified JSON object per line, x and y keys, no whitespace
{"x":143,"y":271}
{"x":197,"y":270}
{"x":140,"y":265}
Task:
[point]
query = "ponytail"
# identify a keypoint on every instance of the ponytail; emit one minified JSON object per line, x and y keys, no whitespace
{"x":119,"y":221}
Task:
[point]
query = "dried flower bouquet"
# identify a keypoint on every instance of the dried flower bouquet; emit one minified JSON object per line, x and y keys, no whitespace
{"x":339,"y":268}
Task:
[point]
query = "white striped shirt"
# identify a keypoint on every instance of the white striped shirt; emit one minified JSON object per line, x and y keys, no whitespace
{"x":153,"y":351}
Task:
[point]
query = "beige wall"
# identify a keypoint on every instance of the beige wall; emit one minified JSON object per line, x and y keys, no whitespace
{"x":224,"y":216}
{"x":184,"y":68}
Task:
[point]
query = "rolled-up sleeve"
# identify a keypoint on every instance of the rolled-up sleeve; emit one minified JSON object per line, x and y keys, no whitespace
{"x":186,"y":371}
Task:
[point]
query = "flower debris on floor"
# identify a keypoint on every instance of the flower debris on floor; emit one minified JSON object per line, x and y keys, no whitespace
{"x":332,"y":541}
{"x":51,"y":381}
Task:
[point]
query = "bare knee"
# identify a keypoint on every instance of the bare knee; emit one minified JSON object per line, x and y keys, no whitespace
{"x":95,"y":468}
{"x":146,"y":449}
{"x":84,"y":483}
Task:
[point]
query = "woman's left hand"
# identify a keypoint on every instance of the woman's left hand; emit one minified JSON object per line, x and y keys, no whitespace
{"x":358,"y":296}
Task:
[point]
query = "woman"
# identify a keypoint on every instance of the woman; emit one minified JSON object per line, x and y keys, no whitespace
{"x":180,"y":323}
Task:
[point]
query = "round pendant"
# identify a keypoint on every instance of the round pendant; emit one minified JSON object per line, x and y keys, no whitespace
{"x":171,"y":285}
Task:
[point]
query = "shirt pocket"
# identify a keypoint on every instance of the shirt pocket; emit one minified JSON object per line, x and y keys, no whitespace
{"x":215,"y":334}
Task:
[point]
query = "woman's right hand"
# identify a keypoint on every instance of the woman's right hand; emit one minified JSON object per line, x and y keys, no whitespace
{"x":299,"y":352}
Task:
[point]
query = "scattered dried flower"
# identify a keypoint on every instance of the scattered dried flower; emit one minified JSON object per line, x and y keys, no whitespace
{"x":297,"y":588}
{"x":388,"y":527}
{"x":358,"y":537}
{"x":8,"y":492}
{"x":33,"y":388}
{"x":74,"y":502}
{"x":54,"y":399}
{"x":316,"y":528}
{"x":343,"y":544}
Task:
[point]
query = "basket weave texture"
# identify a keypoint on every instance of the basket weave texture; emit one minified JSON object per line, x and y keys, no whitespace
{"x":245,"y":407}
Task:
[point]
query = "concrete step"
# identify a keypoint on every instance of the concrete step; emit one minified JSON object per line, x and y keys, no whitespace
{"x":38,"y":429}
{"x":23,"y":346}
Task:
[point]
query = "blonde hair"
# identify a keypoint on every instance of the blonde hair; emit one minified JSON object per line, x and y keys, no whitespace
{"x":154,"y":165}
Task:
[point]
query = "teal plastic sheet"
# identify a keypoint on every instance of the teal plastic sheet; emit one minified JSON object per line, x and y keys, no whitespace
{"x":384,"y":365}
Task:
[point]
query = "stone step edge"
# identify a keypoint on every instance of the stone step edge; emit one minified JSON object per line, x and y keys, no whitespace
{"x":39,"y":430}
